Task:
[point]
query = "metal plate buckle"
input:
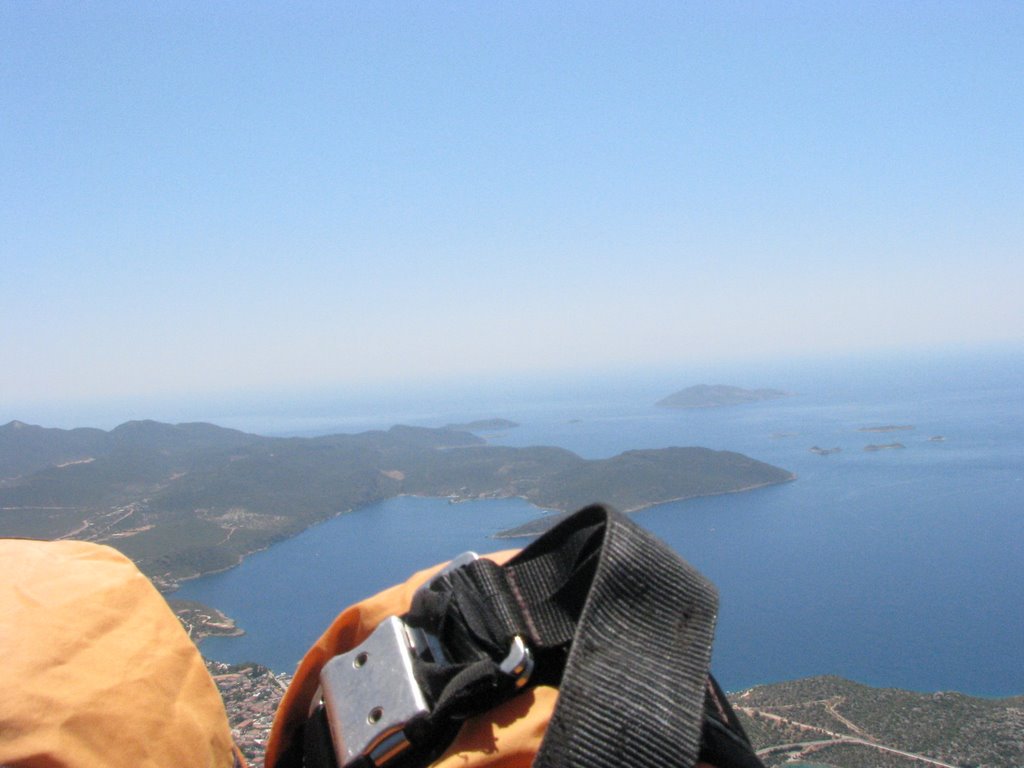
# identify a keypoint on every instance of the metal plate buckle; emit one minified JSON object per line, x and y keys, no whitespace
{"x":370,"y":694}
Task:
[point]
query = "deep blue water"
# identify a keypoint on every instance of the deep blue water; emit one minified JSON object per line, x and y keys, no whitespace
{"x":901,"y":568}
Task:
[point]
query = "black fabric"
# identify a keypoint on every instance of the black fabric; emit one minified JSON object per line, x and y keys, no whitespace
{"x":616,"y":619}
{"x":724,"y":743}
{"x":632,"y":692}
{"x":317,"y":750}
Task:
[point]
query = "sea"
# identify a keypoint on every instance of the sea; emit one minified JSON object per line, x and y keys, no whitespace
{"x":901,"y":567}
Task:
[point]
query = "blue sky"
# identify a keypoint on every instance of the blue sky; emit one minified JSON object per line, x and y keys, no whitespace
{"x":204,"y":199}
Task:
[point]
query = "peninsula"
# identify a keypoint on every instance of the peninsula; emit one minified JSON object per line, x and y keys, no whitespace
{"x":202,"y":621}
{"x":182,"y":500}
{"x":718,"y":395}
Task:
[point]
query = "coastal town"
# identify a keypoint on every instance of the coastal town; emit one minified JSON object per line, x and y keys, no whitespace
{"x":251,"y":694}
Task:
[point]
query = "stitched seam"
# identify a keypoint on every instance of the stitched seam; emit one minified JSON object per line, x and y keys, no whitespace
{"x":511,"y":579}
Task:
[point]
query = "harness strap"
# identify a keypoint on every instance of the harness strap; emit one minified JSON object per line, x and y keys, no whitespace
{"x":613,"y":617}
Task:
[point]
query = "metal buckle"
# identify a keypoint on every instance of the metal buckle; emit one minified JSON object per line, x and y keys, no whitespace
{"x":519,"y":662}
{"x":371,"y":693}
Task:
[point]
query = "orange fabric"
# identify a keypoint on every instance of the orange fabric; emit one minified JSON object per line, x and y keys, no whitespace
{"x":97,"y":670}
{"x":507,"y":736}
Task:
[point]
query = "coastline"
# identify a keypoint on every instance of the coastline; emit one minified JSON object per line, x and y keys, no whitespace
{"x":792,"y":477}
{"x":202,"y":621}
{"x":536,"y":527}
{"x":167,"y":586}
{"x":219,"y":624}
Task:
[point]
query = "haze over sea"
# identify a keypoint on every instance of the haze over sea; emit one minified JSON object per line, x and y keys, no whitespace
{"x":898,"y":568}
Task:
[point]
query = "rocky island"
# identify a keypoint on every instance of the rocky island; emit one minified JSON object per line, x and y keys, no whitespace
{"x":717,"y":395}
{"x":884,"y":447}
{"x":824,"y":451}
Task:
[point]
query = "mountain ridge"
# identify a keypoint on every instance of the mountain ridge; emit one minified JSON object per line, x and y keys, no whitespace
{"x":186,"y":499}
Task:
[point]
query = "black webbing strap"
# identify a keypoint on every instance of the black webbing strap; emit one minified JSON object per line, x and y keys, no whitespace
{"x":615,"y":618}
{"x":612,"y":617}
{"x":632,"y":692}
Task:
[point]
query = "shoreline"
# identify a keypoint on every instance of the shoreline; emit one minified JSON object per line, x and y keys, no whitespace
{"x":511,"y":533}
{"x":202,"y":621}
{"x":167,"y":585}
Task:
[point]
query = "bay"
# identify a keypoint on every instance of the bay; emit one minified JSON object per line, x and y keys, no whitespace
{"x":899,"y":567}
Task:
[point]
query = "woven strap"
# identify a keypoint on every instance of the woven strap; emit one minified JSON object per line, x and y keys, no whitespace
{"x":615,"y":619}
{"x":632,"y":692}
{"x":611,"y":616}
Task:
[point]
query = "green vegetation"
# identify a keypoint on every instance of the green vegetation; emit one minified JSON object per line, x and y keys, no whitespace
{"x":714,"y":396}
{"x":186,"y":499}
{"x":637,"y":479}
{"x":832,"y":721}
{"x":26,"y":448}
{"x":202,"y":621}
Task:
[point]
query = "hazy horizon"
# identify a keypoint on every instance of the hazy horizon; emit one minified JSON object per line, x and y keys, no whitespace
{"x":214,"y":202}
{"x":312,"y":409}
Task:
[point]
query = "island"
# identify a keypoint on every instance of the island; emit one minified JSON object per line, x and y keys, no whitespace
{"x":483,"y":425}
{"x":824,"y":451}
{"x":887,"y":428}
{"x":182,"y":500}
{"x":884,"y":447}
{"x":717,"y":396}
